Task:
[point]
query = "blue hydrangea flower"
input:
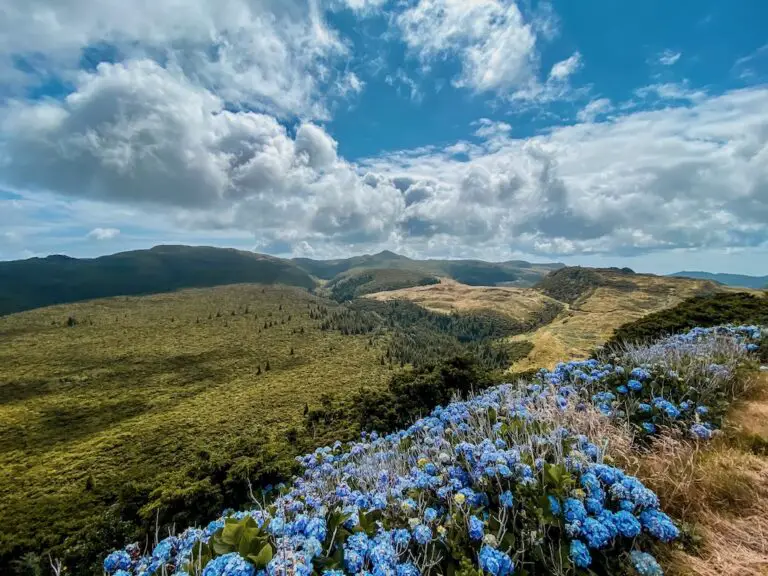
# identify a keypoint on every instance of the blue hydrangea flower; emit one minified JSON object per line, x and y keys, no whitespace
{"x":506,"y":499}
{"x":574,"y":511}
{"x":402,"y":537}
{"x":430,"y":515}
{"x":649,"y":427}
{"x":626,"y":523}
{"x":476,"y":528}
{"x":554,"y":505}
{"x":702,"y":410}
{"x":635,"y":385}
{"x":579,"y":554}
{"x":422,"y":534}
{"x":622,"y":389}
{"x":659,"y":525}
{"x":118,"y":560}
{"x":595,"y":533}
{"x":645,"y":564}
{"x":495,"y":562}
{"x":231,"y":564}
{"x":701,"y":432}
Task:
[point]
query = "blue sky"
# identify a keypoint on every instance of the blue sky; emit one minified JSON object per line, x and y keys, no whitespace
{"x":594,"y":132}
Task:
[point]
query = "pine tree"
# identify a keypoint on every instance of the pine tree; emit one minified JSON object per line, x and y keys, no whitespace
{"x":291,"y":350}
{"x":267,"y":367}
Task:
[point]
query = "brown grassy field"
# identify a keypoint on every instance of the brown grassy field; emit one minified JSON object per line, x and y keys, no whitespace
{"x":586,"y":323}
{"x":591,"y":319}
{"x":449,"y":295}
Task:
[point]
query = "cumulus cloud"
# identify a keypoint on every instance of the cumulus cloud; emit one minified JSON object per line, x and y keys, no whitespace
{"x":495,"y":45}
{"x":103,"y":233}
{"x":678,"y":177}
{"x":137,"y":133}
{"x":267,"y":54}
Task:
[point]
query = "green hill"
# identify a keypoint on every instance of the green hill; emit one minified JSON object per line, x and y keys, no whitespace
{"x":359,"y":282}
{"x":27,"y":284}
{"x":471,"y":272}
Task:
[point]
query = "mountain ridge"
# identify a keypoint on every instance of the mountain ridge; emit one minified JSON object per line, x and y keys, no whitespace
{"x":740,"y":280}
{"x":59,"y":279}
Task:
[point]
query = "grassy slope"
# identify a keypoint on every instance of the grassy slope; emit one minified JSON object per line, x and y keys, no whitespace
{"x":595,"y":310}
{"x":519,"y":303}
{"x":358,"y":282}
{"x":142,"y":388}
{"x":27,"y":284}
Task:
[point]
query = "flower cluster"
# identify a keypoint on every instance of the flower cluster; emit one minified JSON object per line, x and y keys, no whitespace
{"x":675,"y":380}
{"x":497,"y":481}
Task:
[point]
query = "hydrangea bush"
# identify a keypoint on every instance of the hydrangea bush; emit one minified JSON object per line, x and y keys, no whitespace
{"x":506,"y":482}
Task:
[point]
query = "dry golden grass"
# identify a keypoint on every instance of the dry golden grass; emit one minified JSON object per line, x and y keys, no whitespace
{"x":448,"y":296}
{"x":721,"y":489}
{"x":591,"y":320}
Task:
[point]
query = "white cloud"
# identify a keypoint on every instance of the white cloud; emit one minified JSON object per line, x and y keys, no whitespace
{"x":562,"y":70}
{"x":135,"y":133}
{"x":267,"y":54}
{"x":593,"y":109}
{"x":495,"y":45}
{"x":674,"y":178}
{"x":488,"y":129}
{"x":669,"y":57}
{"x":104,"y":233}
{"x":671,"y":91}
{"x":400,"y":81}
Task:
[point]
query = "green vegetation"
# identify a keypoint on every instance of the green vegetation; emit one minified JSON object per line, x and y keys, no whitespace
{"x":350,"y":285}
{"x":158,"y":405}
{"x":472,"y":272}
{"x":704,"y":311}
{"x":27,"y":284}
{"x":571,"y":283}
{"x":422,"y":338}
{"x":121,"y":415}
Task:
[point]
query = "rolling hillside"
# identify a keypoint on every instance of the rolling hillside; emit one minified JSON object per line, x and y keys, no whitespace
{"x":36,"y":282}
{"x":470,"y":272}
{"x":597,"y":302}
{"x":759,"y":282}
{"x":359,"y":282}
{"x":105,"y":402}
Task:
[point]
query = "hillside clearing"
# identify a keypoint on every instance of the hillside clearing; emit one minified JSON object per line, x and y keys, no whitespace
{"x":521,"y":304}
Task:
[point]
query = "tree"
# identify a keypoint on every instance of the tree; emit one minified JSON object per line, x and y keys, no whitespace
{"x":267,"y":367}
{"x":71,"y":321}
{"x":291,"y":350}
{"x":258,"y":370}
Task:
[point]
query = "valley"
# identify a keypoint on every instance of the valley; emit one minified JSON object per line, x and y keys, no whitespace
{"x":117,"y":413}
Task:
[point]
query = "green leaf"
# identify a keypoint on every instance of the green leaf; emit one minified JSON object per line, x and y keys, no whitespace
{"x":264,"y":557}
{"x":232,"y":532}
